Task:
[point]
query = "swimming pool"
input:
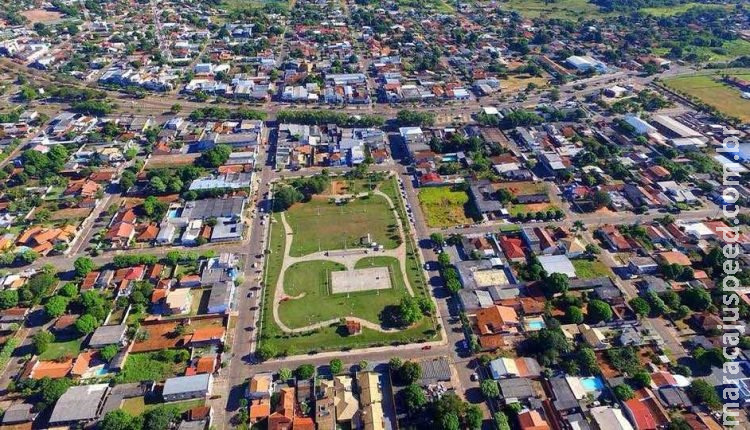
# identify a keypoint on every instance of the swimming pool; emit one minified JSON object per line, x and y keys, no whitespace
{"x":536,"y":324}
{"x":592,"y":383}
{"x":173,"y":213}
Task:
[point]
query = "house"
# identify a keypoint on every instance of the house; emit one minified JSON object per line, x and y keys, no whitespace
{"x":345,"y":403}
{"x":18,"y":413}
{"x":673,"y":257}
{"x":642,"y":266}
{"x":120,"y":234}
{"x":516,"y":389}
{"x":179,"y":301}
{"x":371,"y":398}
{"x":497,"y":319}
{"x":593,"y":337}
{"x":614,"y":240}
{"x":79,"y":405}
{"x":538,"y":240}
{"x":283,"y":417}
{"x":483,"y":195}
{"x":187,"y":387}
{"x":609,"y":418}
{"x":557,"y":264}
{"x":532,"y":420}
{"x":108,"y":335}
{"x":522,"y":367}
{"x":512,"y":248}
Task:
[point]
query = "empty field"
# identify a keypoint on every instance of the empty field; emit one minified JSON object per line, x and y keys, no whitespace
{"x":312,"y":302}
{"x":679,"y":9}
{"x":709,"y":89}
{"x":320,"y":225}
{"x":563,"y":9}
{"x":588,"y":269}
{"x":445,"y":206}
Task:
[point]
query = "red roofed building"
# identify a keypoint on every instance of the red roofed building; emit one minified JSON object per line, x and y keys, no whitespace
{"x":512,"y":248}
{"x":532,"y":420}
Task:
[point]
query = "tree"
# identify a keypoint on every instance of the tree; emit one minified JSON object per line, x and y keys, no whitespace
{"x":415,"y":398}
{"x":160,"y":418}
{"x":51,"y":390}
{"x":426,"y":305}
{"x":623,"y":392}
{"x":86,"y":324}
{"x":640,"y":307}
{"x":336,"y":366}
{"x":409,"y":372}
{"x":83,"y":266}
{"x":473,"y":418}
{"x":285,"y":374}
{"x":175,"y":108}
{"x":599,"y":311}
{"x":450,"y":422}
{"x":109,"y":352}
{"x":265,"y":352}
{"x":363,"y":365}
{"x":601,"y":199}
{"x":586,"y":360}
{"x":556,"y":283}
{"x":8,"y":299}
{"x":119,"y":420}
{"x":56,"y":306}
{"x":697,"y":299}
{"x":409,"y":311}
{"x":574,"y":315}
{"x":641,"y":379}
{"x":437,"y":238}
{"x":215,"y":156}
{"x":305,"y":371}
{"x":395,"y":363}
{"x":501,"y":421}
{"x":41,"y":340}
{"x":69,"y":290}
{"x":702,"y":392}
{"x":285,"y":197}
{"x":490,"y":389}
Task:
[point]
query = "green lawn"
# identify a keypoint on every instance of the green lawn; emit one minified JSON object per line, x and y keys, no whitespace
{"x":562,"y":9}
{"x":57,"y":350}
{"x":519,"y":209}
{"x":588,"y":269}
{"x":319,"y":225}
{"x":137,"y":405}
{"x":331,"y":338}
{"x":664,"y":11}
{"x":445,"y":206}
{"x":708,"y":87}
{"x":153,"y":366}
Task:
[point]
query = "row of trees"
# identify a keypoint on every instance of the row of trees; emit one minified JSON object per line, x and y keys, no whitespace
{"x":313,"y":117}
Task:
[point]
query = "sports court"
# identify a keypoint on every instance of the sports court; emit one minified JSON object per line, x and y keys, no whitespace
{"x":358,"y":280}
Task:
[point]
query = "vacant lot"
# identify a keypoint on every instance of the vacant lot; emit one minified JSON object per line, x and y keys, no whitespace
{"x":445,"y":206}
{"x":309,"y":283}
{"x":153,"y":366}
{"x":588,"y":269}
{"x":563,"y":9}
{"x":59,"y":350}
{"x":137,"y":405}
{"x":711,"y":90}
{"x":678,"y":9}
{"x":42,"y":15}
{"x":520,"y":82}
{"x":321,"y":225}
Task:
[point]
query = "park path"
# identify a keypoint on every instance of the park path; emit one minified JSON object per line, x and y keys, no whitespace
{"x":349,"y":260}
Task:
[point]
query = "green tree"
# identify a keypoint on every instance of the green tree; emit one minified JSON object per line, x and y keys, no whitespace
{"x":119,"y":420}
{"x":41,"y":340}
{"x":450,"y":422}
{"x":86,"y":324}
{"x":703,"y":393}
{"x":574,"y":315}
{"x":56,"y":306}
{"x":50,"y":390}
{"x":598,"y":311}
{"x":490,"y":389}
{"x":586,"y":360}
{"x":409,"y":372}
{"x":336,"y":366}
{"x":8,"y":299}
{"x":265,"y":352}
{"x":415,"y":398}
{"x":473,"y":418}
{"x":501,"y":421}
{"x":697,"y":299}
{"x":640,"y":307}
{"x":409,"y":311}
{"x":83,"y":266}
{"x":623,"y":392}
{"x":437,"y":238}
{"x":641,"y":379}
{"x":305,"y":371}
{"x":285,"y":374}
{"x":109,"y":352}
{"x":160,"y":418}
{"x":556,"y":283}
{"x":69,"y":290}
{"x":215,"y":156}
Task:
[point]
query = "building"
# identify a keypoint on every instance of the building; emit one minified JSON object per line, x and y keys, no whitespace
{"x":557,"y":264}
{"x":79,"y":405}
{"x":609,"y":418}
{"x":187,"y":387}
{"x":108,"y":335}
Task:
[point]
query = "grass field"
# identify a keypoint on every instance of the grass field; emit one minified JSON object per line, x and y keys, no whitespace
{"x":152,"y":366}
{"x":321,"y":226}
{"x":518,"y":209}
{"x":137,"y":405}
{"x":312,"y":278}
{"x":588,"y":269}
{"x":730,"y":50}
{"x":708,"y":88}
{"x":562,"y":9}
{"x":57,"y":350}
{"x":331,"y":338}
{"x":445,"y":206}
{"x":664,"y":11}
{"x":520,"y":82}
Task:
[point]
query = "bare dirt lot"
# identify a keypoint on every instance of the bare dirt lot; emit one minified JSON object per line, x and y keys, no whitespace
{"x":42,"y":15}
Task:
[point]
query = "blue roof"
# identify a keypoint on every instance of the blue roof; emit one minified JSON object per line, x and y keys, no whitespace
{"x":186,"y":384}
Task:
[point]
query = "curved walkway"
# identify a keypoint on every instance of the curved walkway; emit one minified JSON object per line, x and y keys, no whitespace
{"x":347,"y":260}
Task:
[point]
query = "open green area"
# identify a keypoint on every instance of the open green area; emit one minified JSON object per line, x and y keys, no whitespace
{"x":709,"y":88}
{"x":436,"y":5}
{"x":672,"y":10}
{"x":445,"y":206}
{"x":58,"y":350}
{"x":334,"y":337}
{"x":311,"y":281}
{"x":588,"y":269}
{"x":562,"y":9}
{"x":322,"y":225}
{"x":137,"y":405}
{"x":153,"y":366}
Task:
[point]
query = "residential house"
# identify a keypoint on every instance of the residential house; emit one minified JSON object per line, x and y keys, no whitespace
{"x":187,"y":387}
